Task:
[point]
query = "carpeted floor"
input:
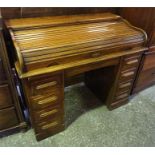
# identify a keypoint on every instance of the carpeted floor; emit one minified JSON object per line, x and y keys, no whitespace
{"x":129,"y":125}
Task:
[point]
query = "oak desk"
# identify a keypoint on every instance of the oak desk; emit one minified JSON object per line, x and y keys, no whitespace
{"x":51,"y":50}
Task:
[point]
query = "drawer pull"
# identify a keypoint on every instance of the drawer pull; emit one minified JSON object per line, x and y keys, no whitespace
{"x":128,"y":74}
{"x":49,"y":125}
{"x":53,"y":83}
{"x":125,"y":85}
{"x":49,"y":113}
{"x":48,"y":100}
{"x":132,"y":62}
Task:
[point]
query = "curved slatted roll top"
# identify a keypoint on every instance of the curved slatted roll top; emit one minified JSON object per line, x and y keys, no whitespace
{"x":38,"y":40}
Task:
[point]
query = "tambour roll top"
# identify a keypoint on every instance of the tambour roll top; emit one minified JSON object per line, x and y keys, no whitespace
{"x":53,"y":41}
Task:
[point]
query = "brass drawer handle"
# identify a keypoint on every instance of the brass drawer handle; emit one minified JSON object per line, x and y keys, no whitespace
{"x":49,"y":125}
{"x":132,"y":62}
{"x":53,"y":83}
{"x":128,"y":74}
{"x":48,"y":100}
{"x":125,"y":85}
{"x":49,"y":113}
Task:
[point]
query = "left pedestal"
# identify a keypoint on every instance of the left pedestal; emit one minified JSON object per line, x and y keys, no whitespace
{"x":45,"y":97}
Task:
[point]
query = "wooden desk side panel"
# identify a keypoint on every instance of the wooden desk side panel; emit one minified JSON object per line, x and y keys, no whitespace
{"x":146,"y":73}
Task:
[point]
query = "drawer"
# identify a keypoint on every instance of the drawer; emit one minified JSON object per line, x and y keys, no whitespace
{"x":8,"y":118}
{"x":47,"y":125}
{"x":5,"y":96}
{"x":123,"y":86}
{"x":131,"y":61}
{"x":43,"y":101}
{"x":2,"y":73}
{"x":45,"y":84}
{"x":128,"y":74}
{"x":50,"y":112}
{"x":118,"y":103}
{"x":149,"y":61}
{"x":49,"y":132}
{"x":121,"y":95}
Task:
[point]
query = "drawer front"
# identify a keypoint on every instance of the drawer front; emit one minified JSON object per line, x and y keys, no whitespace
{"x":43,"y":101}
{"x":149,"y":61}
{"x":131,"y":61}
{"x":50,"y":112}
{"x":117,"y":103}
{"x":48,"y":125}
{"x":49,"y":132}
{"x":2,"y":73}
{"x":45,"y":85}
{"x":128,"y":74}
{"x":5,"y":96}
{"x":8,"y":118}
{"x":124,"y":86}
{"x":122,"y":95}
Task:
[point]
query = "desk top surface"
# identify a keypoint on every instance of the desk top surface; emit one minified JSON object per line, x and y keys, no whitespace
{"x":45,"y":38}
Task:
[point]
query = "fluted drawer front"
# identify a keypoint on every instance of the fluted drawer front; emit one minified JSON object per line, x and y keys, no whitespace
{"x":43,"y":101}
{"x":131,"y":61}
{"x":50,"y":112}
{"x":124,"y":86}
{"x":122,"y":95}
{"x":127,"y":74}
{"x":43,"y":85}
{"x":117,"y":103}
{"x":47,"y":125}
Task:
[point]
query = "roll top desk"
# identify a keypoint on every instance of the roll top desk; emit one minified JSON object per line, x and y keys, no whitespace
{"x":51,"y":50}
